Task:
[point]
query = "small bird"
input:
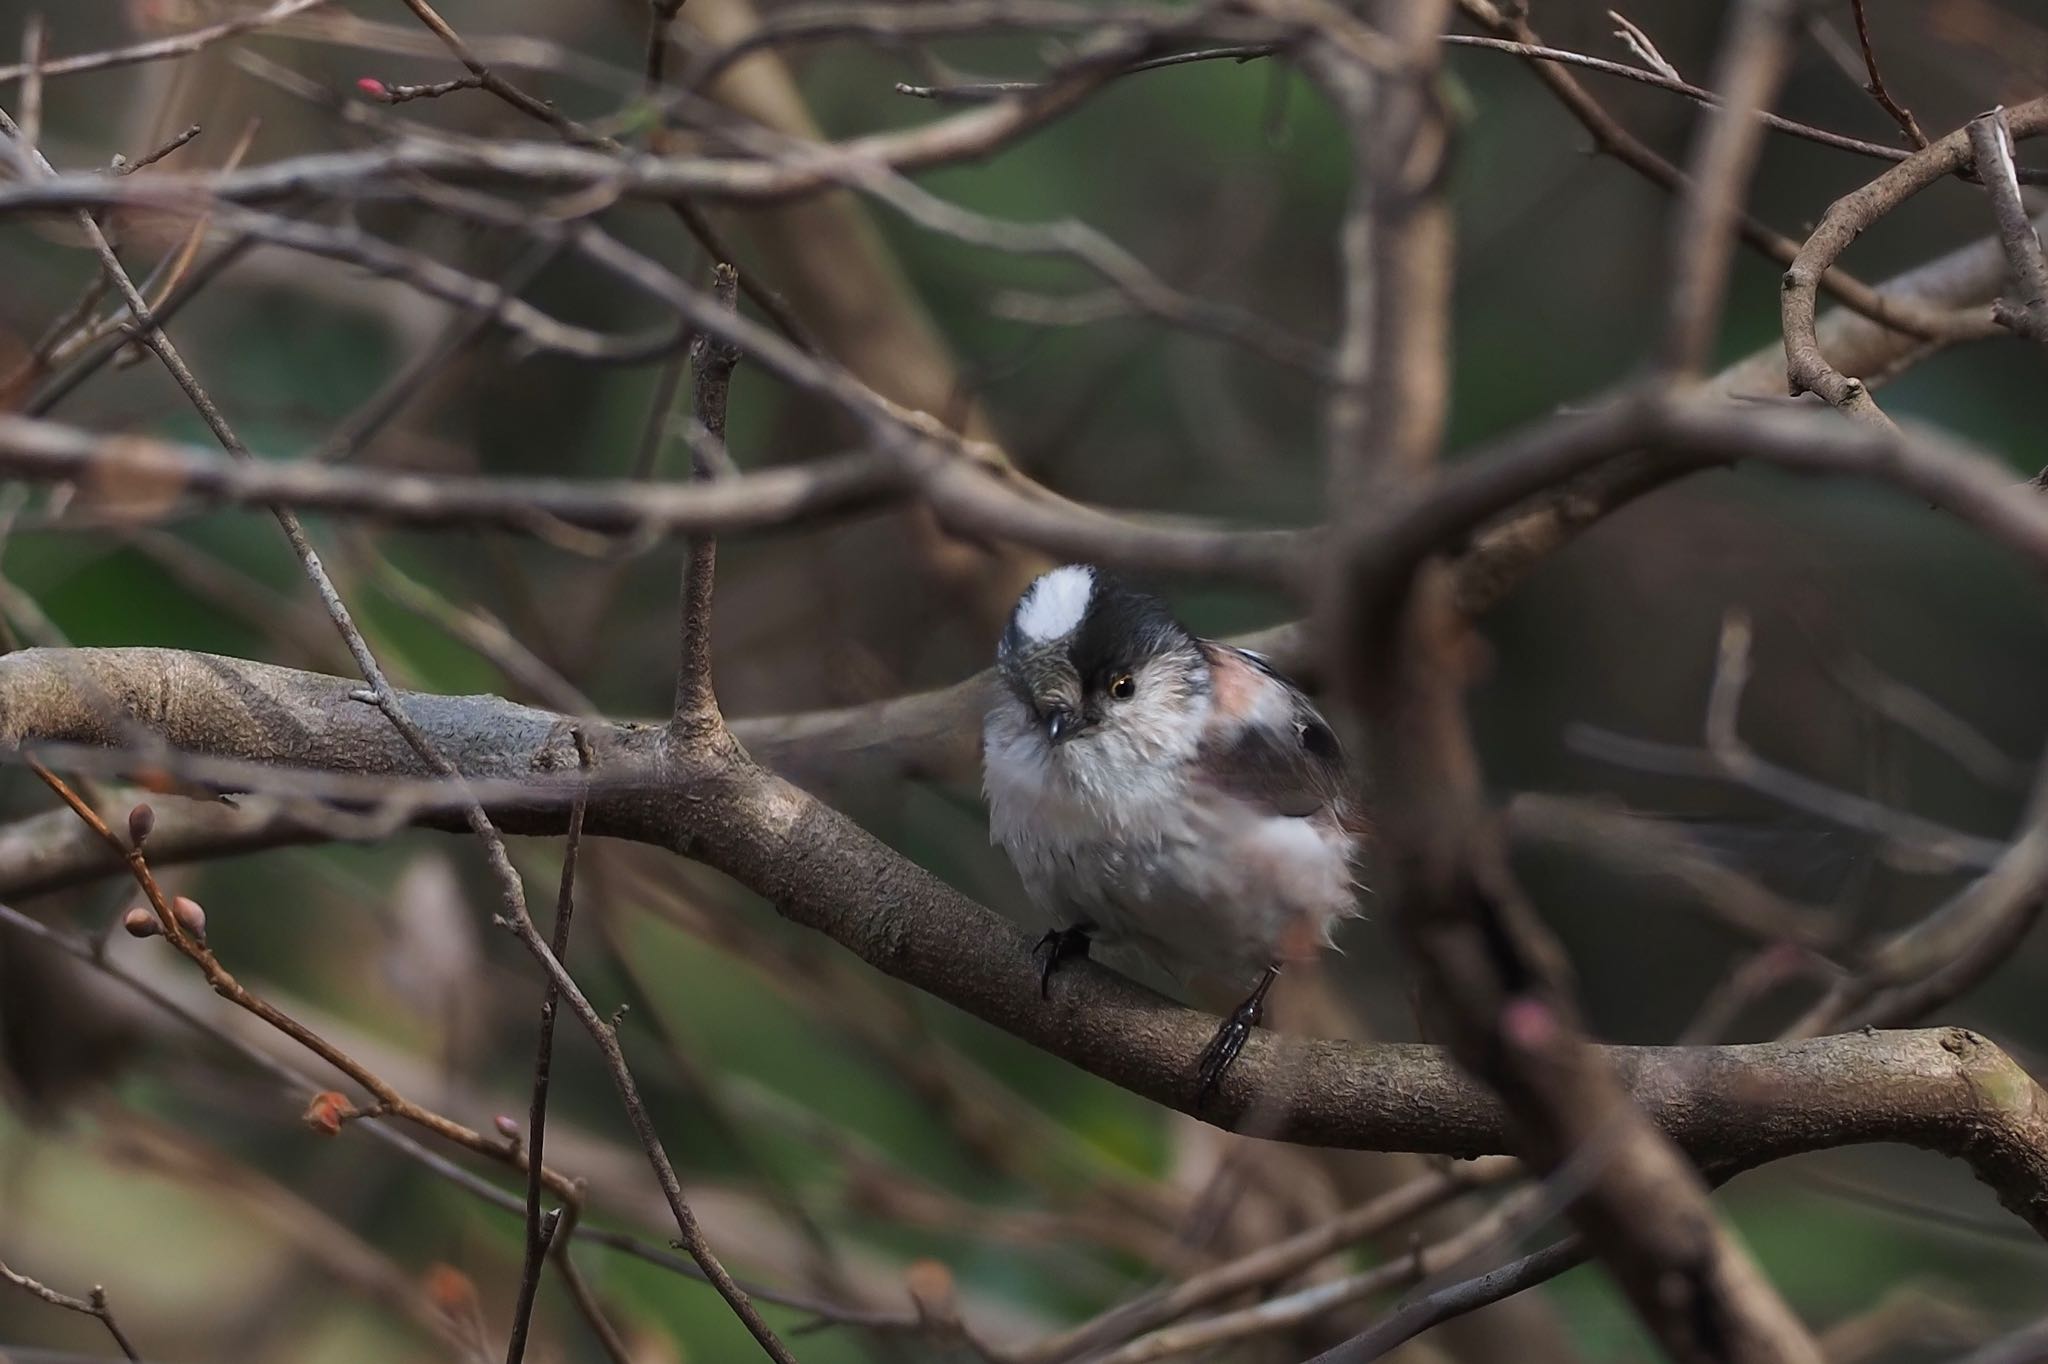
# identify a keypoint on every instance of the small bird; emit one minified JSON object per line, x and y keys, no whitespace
{"x":1164,"y":792}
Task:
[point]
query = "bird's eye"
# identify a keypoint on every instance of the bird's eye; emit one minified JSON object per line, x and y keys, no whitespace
{"x":1124,"y":687}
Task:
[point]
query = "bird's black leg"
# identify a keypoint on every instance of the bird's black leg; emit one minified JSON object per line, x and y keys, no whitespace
{"x":1232,"y":1035}
{"x":1059,"y":945}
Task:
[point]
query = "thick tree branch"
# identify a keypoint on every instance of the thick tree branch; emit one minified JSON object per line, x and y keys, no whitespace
{"x":1945,"y":1090}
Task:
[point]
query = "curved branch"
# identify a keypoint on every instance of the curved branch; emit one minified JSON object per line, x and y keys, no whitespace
{"x":1945,"y":1090}
{"x":1807,"y":369}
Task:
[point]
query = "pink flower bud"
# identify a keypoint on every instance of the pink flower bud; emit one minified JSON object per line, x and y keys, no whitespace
{"x":190,"y":917}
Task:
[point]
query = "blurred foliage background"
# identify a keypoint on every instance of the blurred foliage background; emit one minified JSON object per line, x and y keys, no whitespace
{"x":138,"y":1156}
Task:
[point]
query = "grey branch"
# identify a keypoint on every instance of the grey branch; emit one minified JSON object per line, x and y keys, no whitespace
{"x":1946,"y":1090}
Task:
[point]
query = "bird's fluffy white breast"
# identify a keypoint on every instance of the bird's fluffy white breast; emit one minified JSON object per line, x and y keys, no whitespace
{"x":1053,"y":606}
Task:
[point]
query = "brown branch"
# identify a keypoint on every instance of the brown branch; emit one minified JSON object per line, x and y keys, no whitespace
{"x":1899,"y":113}
{"x":389,"y":1102}
{"x":389,"y":704}
{"x":696,"y":705}
{"x":574,"y":133}
{"x":1943,"y":1089}
{"x":1807,"y":367}
{"x":177,"y":45}
{"x":1468,"y":1295}
{"x":932,"y":735}
{"x":540,"y":1227}
{"x":1288,"y":1310}
{"x":1268,"y":1265}
{"x":298,"y":1083}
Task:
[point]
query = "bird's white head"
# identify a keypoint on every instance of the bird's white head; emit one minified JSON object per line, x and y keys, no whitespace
{"x":1098,"y":681}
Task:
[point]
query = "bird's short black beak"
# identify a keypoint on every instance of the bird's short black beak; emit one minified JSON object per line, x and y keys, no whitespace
{"x":1061,"y":724}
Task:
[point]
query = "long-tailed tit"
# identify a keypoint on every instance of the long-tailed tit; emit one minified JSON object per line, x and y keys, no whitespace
{"x":1164,"y":792}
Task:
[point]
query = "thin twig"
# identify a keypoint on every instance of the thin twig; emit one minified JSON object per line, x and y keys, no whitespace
{"x":1639,"y":43}
{"x":177,"y":45}
{"x":123,"y":166}
{"x":94,"y":1306}
{"x":540,"y":1228}
{"x":692,"y":218}
{"x":696,"y":706}
{"x":1899,"y":113}
{"x":1413,"y":1318}
{"x":298,"y":1083}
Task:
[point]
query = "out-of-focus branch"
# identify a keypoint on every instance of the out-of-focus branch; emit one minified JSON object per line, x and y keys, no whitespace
{"x":1649,"y":848}
{"x":1494,"y":981}
{"x":139,"y":477}
{"x":177,"y":45}
{"x":1611,"y":137}
{"x":1269,"y":1265}
{"x":1751,"y":66}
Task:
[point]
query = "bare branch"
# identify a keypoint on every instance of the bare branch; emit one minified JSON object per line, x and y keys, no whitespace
{"x":95,"y":1306}
{"x":1899,"y":113}
{"x":540,"y":1226}
{"x":139,"y":477}
{"x":1991,"y":150}
{"x":1751,"y":66}
{"x":1807,"y":368}
{"x":1611,"y":137}
{"x":1469,"y":1295}
{"x":1943,"y":1089}
{"x":696,"y":706}
{"x":177,"y":45}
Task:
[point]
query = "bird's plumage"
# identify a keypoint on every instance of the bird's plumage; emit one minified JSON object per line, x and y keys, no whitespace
{"x":1162,"y":791}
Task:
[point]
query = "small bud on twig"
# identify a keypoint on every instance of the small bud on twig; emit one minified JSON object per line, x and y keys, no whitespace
{"x":507,"y":1125}
{"x":327,"y":1112}
{"x":190,"y":917}
{"x":140,"y":922}
{"x":141,"y":819}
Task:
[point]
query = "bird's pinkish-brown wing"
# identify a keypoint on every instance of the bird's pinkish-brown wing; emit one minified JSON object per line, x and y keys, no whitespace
{"x":1267,"y":744}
